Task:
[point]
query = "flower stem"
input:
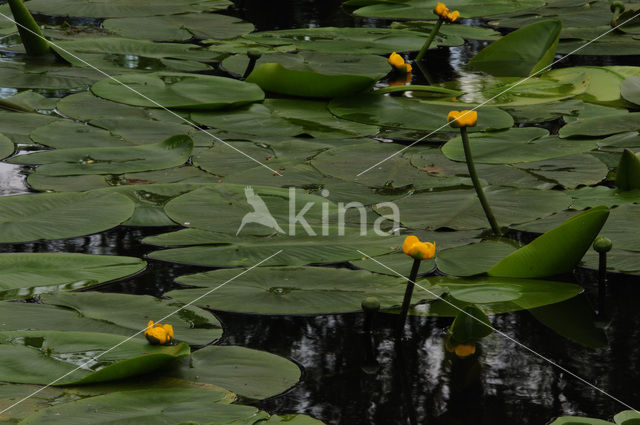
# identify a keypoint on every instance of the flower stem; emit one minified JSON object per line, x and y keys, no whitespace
{"x":30,"y":33}
{"x":476,"y":183}
{"x":408,"y":293}
{"x":427,"y":43}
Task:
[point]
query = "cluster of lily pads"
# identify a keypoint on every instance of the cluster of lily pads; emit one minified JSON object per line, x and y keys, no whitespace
{"x":118,"y":120}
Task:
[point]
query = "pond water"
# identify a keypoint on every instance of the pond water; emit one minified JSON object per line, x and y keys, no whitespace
{"x":351,"y":377}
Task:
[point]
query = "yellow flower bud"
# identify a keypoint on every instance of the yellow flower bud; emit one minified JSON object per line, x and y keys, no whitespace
{"x":465,"y":350}
{"x":158,"y":334}
{"x":453,"y":16}
{"x":413,"y":247}
{"x":441,"y":10}
{"x":397,"y":61}
{"x":462,"y":119}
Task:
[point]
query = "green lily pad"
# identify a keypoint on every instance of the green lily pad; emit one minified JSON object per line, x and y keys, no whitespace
{"x":312,"y":74}
{"x":285,"y":117}
{"x":119,"y":314}
{"x":65,"y":162}
{"x":179,"y":27}
{"x":520,"y":53}
{"x":604,"y":82}
{"x":349,"y":40}
{"x":515,"y":145}
{"x":85,"y":106}
{"x":24,"y":275}
{"x":601,"y":126}
{"x":6,"y":146}
{"x":628,"y":173}
{"x":460,"y":209}
{"x":123,"y":8}
{"x":569,"y":171}
{"x":178,"y":90}
{"x":28,"y":101}
{"x":423,"y":9}
{"x":42,"y":357}
{"x":212,"y":249}
{"x":171,"y":406}
{"x":60,"y":215}
{"x":292,"y":290}
{"x":130,"y":313}
{"x":405,"y":113}
{"x":576,"y":420}
{"x":473,"y":259}
{"x":588,"y":197}
{"x":49,"y":77}
{"x":17,"y":126}
{"x":492,"y":295}
{"x":249,"y":373}
{"x":627,"y":417}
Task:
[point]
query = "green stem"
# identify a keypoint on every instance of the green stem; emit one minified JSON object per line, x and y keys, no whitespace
{"x":476,"y":183}
{"x":408,"y":293}
{"x":32,"y":37}
{"x":427,"y":43}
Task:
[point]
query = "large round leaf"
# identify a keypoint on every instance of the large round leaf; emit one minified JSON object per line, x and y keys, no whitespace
{"x":515,"y":145}
{"x":292,"y":290}
{"x":222,"y":251}
{"x":179,"y":27}
{"x":311,"y":74}
{"x":124,"y":8}
{"x":249,"y":373}
{"x":602,"y":126}
{"x":41,"y":357}
{"x":130,"y":313}
{"x":491,"y":294}
{"x":399,"y":112}
{"x":60,"y":215}
{"x":67,"y":162}
{"x":472,"y":259}
{"x":178,"y":90}
{"x":461,"y":209}
{"x":150,"y":407}
{"x":630,"y":90}
{"x":24,"y":275}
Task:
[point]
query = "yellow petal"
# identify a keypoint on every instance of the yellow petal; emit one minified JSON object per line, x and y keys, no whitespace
{"x":409,"y":241}
{"x":169,"y":329}
{"x":423,"y":250}
{"x":462,"y":118}
{"x":396,"y":60}
{"x":441,"y":9}
{"x":453,"y":16}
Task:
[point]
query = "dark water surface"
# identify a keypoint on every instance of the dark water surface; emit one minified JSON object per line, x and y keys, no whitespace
{"x":352,"y":378}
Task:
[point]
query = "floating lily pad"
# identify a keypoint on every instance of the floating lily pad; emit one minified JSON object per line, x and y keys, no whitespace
{"x":44,"y":357}
{"x":179,"y":27}
{"x":312,"y":74}
{"x":177,"y":90}
{"x":28,"y":101}
{"x":492,"y":295}
{"x":569,"y":171}
{"x":85,"y":106}
{"x":123,"y":8}
{"x":353,"y":40}
{"x":24,"y":275}
{"x":6,"y":146}
{"x":17,"y":126}
{"x":50,"y":77}
{"x":602,"y":126}
{"x":461,"y":209}
{"x":292,"y":290}
{"x":473,"y":259}
{"x":222,"y":251}
{"x":423,"y":9}
{"x":151,"y":406}
{"x":604,"y":82}
{"x":66,"y":162}
{"x":249,"y":373}
{"x":60,"y":215}
{"x":130,"y":313}
{"x":285,"y":117}
{"x":515,"y":145}
{"x":398,"y":112}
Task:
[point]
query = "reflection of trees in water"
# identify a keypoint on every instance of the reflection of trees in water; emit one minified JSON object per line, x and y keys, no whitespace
{"x":419,"y":384}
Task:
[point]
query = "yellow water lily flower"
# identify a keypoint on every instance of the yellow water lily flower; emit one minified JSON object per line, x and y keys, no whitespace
{"x":397,"y":61}
{"x":413,"y":247}
{"x":159,"y":334}
{"x":459,"y":119}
